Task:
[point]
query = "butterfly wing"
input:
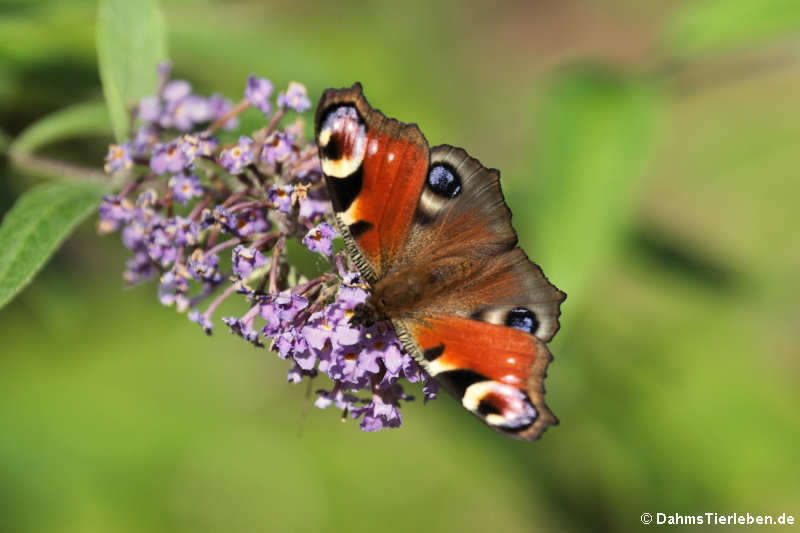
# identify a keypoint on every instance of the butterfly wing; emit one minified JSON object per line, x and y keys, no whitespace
{"x":400,"y":204}
{"x":375,"y":168}
{"x":496,"y":371}
{"x":484,"y":338}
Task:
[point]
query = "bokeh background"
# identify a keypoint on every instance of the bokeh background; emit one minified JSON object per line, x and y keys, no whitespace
{"x":649,"y":152}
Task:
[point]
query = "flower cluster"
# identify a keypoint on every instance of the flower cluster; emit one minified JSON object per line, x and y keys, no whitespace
{"x":211,"y":220}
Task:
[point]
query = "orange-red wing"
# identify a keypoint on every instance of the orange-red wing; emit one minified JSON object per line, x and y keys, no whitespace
{"x":497,"y":372}
{"x":375,"y":168}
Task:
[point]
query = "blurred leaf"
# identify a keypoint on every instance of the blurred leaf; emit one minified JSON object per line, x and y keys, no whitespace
{"x":34,"y":228}
{"x":88,"y":118}
{"x":703,"y":27}
{"x":4,"y":142}
{"x":595,"y":133}
{"x":131,"y":41}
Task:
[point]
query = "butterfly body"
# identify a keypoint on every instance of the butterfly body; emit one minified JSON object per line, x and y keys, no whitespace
{"x":430,"y":232}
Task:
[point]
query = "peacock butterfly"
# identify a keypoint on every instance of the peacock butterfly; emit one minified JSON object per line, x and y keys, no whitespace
{"x":431,"y":233}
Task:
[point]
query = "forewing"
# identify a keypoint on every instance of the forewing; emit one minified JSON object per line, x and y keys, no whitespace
{"x":375,"y":168}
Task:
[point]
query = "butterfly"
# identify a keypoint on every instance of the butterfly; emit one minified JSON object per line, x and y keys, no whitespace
{"x":429,"y":230}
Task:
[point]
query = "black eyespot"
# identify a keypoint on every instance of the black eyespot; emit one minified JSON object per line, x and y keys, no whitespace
{"x":522,"y":319}
{"x":332,"y":150}
{"x":444,"y":181}
{"x":488,"y":408}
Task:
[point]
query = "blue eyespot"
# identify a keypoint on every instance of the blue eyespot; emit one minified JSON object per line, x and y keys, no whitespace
{"x":443,"y":181}
{"x":522,"y":319}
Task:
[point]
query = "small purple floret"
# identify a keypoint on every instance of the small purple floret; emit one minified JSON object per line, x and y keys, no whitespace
{"x":320,"y":239}
{"x":168,"y":158}
{"x":218,"y":107}
{"x":246,"y":260}
{"x":236,"y":158}
{"x":281,"y":197}
{"x":118,"y":158}
{"x":184,"y":187}
{"x":258,"y":91}
{"x":295,"y":97}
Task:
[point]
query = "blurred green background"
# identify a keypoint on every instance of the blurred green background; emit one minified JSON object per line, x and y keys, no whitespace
{"x":650,"y":154}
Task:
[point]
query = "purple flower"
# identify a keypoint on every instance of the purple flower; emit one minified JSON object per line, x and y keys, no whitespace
{"x":204,"y":266}
{"x":278,"y":148}
{"x":320,"y":239}
{"x":184,"y":187}
{"x":290,"y":343}
{"x":113,"y":212}
{"x":146,"y":205}
{"x":118,"y":158}
{"x":218,"y":107}
{"x":289,"y":305}
{"x":283,"y":194}
{"x":135,"y":235}
{"x":296,"y":97}
{"x":164,"y":69}
{"x":139,"y":268}
{"x":173,"y":288}
{"x":381,"y":413}
{"x":168,"y":158}
{"x":161,"y":246}
{"x":222,"y":217}
{"x":182,"y":231}
{"x":143,"y":141}
{"x":149,"y":109}
{"x":176,"y":89}
{"x":303,"y":356}
{"x":336,"y":397}
{"x":234,"y":159}
{"x":313,"y":209}
{"x":430,"y":389}
{"x":193,"y":146}
{"x":246,"y":260}
{"x":258,"y":91}
{"x":281,"y":197}
{"x":280,"y":311}
{"x":183,"y":114}
{"x":318,"y":332}
{"x":202,"y":319}
{"x":244,"y":329}
{"x":352,"y":292}
{"x":296,"y":374}
{"x":249,"y":221}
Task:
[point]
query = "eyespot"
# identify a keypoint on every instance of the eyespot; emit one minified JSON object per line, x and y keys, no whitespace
{"x":342,"y":141}
{"x":444,"y":181}
{"x":501,"y":405}
{"x":522,"y":319}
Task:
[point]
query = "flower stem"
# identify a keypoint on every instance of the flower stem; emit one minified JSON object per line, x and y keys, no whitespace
{"x":273,"y":271}
{"x":275,"y":119}
{"x":247,"y":205}
{"x":221,"y":246}
{"x":217,"y":301}
{"x":235,"y":111}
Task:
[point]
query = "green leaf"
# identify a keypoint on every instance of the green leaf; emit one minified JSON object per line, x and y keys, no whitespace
{"x":5,"y":142}
{"x":595,"y":131}
{"x":131,"y":41}
{"x":88,"y":118}
{"x":700,"y":28}
{"x":36,"y":225}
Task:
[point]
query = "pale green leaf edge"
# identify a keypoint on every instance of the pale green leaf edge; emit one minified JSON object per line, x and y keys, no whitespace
{"x":34,"y":228}
{"x":139,"y":29}
{"x":85,"y":118}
